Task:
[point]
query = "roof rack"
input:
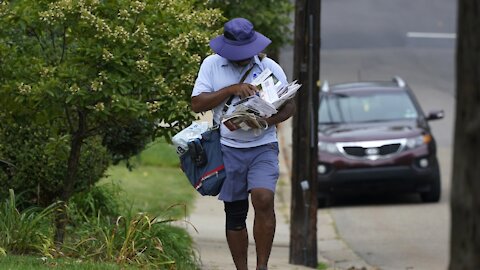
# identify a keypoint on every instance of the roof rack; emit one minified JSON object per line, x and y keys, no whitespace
{"x":325,"y":86}
{"x":400,"y":82}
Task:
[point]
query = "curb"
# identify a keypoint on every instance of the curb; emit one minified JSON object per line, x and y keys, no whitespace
{"x":332,"y":249}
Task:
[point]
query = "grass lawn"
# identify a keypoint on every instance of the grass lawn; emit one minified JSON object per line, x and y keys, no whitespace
{"x":29,"y":262}
{"x":155,"y":184}
{"x":153,"y":189}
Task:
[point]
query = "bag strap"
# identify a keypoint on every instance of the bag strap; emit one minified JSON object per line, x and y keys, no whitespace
{"x":227,"y":104}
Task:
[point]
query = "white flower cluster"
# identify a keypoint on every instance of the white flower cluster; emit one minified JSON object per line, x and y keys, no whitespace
{"x":209,"y":17}
{"x":179,"y":44}
{"x":188,"y":78}
{"x":143,"y":65}
{"x":142,"y":34}
{"x":56,"y":11}
{"x":99,"y":107}
{"x":24,"y":89}
{"x":123,"y":15}
{"x":107,"y":55}
{"x":3,"y":7}
{"x":153,"y":106}
{"x":195,"y":59}
{"x":74,"y":89}
{"x":46,"y":72}
{"x":102,"y":75}
{"x":96,"y":85}
{"x":137,"y":6}
{"x":120,"y":34}
{"x":115,"y":99}
{"x":159,"y":80}
{"x":102,"y":28}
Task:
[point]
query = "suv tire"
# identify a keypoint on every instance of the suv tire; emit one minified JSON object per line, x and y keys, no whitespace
{"x":433,"y":195}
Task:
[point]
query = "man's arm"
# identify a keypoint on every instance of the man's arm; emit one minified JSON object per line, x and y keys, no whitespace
{"x":208,"y":101}
{"x":285,"y":112}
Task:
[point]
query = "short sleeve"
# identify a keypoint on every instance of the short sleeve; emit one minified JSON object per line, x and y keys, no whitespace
{"x":203,"y":83}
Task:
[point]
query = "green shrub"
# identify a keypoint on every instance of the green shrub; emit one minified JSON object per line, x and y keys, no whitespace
{"x":39,"y":157}
{"x":126,"y":141}
{"x":97,"y":200}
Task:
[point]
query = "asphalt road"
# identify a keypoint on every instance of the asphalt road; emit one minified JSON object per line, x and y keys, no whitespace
{"x":375,"y":40}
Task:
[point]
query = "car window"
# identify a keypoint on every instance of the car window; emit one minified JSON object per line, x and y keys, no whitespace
{"x":366,"y":107}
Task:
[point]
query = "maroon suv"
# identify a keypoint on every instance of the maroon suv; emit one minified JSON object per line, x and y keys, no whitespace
{"x":374,"y":137}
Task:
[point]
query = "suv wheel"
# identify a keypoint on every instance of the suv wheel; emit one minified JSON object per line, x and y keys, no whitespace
{"x":324,"y":200}
{"x":433,"y":195}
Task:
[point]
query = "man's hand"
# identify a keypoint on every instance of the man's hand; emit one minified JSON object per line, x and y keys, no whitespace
{"x":253,"y":123}
{"x":244,"y":90}
{"x":231,"y":125}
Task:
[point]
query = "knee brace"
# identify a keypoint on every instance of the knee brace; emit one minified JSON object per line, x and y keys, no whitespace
{"x":236,"y":215}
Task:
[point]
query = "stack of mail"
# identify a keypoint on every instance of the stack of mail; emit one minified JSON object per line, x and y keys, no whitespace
{"x":272,"y":90}
{"x":271,"y":96}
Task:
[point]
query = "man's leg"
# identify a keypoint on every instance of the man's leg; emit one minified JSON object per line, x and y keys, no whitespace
{"x":236,"y":232}
{"x":238,"y":245}
{"x":264,"y":224}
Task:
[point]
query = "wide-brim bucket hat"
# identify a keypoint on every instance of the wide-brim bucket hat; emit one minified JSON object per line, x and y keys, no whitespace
{"x":239,"y":41}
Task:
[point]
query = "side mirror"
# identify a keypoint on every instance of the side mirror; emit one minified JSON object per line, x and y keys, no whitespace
{"x":435,"y":115}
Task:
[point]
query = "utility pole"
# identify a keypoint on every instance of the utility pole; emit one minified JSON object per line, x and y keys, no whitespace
{"x":303,"y":224}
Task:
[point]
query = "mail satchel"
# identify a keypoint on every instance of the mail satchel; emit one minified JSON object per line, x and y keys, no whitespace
{"x":203,"y":163}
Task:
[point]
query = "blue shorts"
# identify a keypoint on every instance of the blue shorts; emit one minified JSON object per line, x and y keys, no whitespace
{"x":249,"y":168}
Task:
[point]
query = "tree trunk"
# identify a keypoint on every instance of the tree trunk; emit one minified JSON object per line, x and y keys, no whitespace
{"x":465,"y":199}
{"x":61,"y":218}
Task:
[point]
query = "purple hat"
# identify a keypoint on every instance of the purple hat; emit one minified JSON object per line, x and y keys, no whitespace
{"x":239,"y":40}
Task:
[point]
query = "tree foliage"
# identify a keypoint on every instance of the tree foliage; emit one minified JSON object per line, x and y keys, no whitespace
{"x":118,"y":72}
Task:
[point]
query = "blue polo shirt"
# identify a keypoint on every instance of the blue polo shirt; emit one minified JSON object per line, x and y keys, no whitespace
{"x":217,"y":73}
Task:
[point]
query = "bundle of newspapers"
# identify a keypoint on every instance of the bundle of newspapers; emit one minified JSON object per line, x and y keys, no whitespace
{"x":272,"y":94}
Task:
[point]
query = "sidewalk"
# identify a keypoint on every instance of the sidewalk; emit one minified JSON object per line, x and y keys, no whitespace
{"x":208,"y":220}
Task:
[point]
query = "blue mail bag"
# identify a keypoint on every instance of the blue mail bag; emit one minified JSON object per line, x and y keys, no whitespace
{"x":203,"y":163}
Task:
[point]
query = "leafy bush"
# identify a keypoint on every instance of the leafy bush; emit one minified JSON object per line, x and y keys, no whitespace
{"x":39,"y":157}
{"x":126,"y":141}
{"x":99,"y":200}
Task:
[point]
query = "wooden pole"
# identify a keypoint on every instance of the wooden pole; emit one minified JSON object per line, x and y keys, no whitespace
{"x":303,"y":226}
